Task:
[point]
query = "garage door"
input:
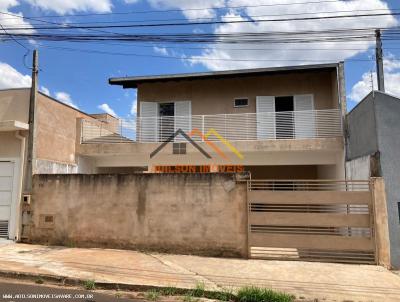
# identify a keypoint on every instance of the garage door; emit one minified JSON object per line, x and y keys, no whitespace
{"x":6,"y":188}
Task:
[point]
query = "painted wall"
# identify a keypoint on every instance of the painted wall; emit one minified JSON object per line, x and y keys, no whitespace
{"x":10,"y":146}
{"x":194,"y":213}
{"x":210,"y":96}
{"x":374,"y":130}
{"x":14,"y":104}
{"x":361,"y":130}
{"x":359,"y":168}
{"x":387,"y":119}
{"x":55,"y":136}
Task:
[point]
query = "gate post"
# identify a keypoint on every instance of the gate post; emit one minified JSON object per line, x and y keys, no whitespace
{"x":380,"y":214}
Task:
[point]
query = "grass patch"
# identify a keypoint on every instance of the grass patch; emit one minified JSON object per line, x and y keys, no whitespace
{"x":89,"y":284}
{"x":199,"y":290}
{"x":39,"y":280}
{"x":224,"y":295}
{"x":152,"y":295}
{"x":256,"y":294}
{"x":170,"y":291}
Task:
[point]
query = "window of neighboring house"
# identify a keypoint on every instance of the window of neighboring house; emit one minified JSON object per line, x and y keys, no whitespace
{"x":179,"y":148}
{"x":241,"y":102}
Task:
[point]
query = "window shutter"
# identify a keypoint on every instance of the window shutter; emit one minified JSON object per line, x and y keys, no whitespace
{"x":304,"y":116}
{"x":183,"y":117}
{"x":265,"y":108}
{"x":148,"y":126}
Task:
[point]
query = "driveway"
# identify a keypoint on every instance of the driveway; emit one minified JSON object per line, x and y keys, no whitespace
{"x":332,"y":282}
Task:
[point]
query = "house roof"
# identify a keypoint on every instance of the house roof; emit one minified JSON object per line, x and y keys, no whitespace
{"x":132,"y":82}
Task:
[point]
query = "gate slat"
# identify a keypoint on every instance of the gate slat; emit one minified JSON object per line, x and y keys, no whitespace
{"x":309,"y":197}
{"x":310,"y":219}
{"x":311,"y":242}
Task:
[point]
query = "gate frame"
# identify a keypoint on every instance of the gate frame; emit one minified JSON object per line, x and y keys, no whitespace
{"x":379,"y":232}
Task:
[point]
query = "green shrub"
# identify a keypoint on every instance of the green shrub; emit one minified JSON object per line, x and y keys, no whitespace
{"x":169,"y":291}
{"x":255,"y":294}
{"x":152,"y":295}
{"x":199,"y":290}
{"x":224,"y":295}
{"x":89,"y":284}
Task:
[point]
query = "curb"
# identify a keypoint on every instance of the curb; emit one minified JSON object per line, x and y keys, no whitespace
{"x":63,"y":280}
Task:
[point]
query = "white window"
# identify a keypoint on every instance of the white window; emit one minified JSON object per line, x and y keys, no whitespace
{"x":158,"y":121}
{"x":148,"y":126}
{"x":183,"y":117}
{"x":265,"y":108}
{"x":304,"y":118}
{"x":285,"y":117}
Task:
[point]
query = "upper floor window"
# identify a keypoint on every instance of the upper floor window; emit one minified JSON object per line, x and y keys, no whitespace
{"x":241,"y":102}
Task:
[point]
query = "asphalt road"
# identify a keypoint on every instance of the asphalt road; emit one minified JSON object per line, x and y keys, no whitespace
{"x":25,"y":292}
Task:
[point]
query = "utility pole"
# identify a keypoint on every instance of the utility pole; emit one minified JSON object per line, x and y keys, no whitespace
{"x":32,"y":109}
{"x":379,"y":61}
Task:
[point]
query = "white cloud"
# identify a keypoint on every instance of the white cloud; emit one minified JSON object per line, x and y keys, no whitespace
{"x":392,"y":80}
{"x":289,"y":53}
{"x":45,"y":90}
{"x":65,"y":98}
{"x":160,"y":50}
{"x":184,"y":5}
{"x":9,"y":21}
{"x":106,"y":108}
{"x":12,"y":78}
{"x":70,"y":6}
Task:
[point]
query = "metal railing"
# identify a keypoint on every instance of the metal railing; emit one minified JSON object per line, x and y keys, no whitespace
{"x":308,"y":185}
{"x":234,"y":127}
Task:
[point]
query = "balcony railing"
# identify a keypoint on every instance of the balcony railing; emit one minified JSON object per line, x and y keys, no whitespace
{"x":234,"y":127}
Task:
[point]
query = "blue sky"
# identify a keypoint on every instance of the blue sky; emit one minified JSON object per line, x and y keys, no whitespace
{"x":81,"y":78}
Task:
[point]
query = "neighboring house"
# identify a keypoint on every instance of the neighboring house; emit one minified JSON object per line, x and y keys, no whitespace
{"x":54,"y":147}
{"x":286,"y":122}
{"x":373,"y":150}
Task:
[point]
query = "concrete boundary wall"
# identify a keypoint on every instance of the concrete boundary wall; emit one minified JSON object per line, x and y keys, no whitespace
{"x":202,"y":214}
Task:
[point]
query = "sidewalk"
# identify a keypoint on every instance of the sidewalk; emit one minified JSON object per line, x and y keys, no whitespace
{"x":333,"y":282}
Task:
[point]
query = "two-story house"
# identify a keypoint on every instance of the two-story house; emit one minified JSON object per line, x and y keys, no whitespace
{"x":278,"y":123}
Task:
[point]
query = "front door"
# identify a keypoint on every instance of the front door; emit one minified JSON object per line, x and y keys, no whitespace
{"x":6,"y":192}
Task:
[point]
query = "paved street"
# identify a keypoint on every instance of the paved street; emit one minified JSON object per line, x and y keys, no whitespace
{"x":325,"y":281}
{"x":24,"y":293}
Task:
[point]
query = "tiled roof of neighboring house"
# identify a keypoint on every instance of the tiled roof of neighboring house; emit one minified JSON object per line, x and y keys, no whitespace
{"x":111,"y":138}
{"x":132,"y":82}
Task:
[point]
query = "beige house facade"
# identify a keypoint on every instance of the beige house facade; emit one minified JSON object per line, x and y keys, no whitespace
{"x":279,"y":123}
{"x":285,"y":122}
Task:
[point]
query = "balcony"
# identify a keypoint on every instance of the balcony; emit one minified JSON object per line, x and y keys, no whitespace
{"x":308,"y":124}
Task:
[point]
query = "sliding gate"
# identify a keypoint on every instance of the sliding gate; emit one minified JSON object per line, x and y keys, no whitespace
{"x":327,"y":221}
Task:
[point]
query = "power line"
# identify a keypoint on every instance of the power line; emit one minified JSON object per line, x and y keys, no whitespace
{"x":192,"y":58}
{"x":15,"y":40}
{"x":225,"y":17}
{"x":184,"y":10}
{"x":215,"y":22}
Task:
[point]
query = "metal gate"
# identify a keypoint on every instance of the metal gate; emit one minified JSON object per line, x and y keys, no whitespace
{"x":330,"y":221}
